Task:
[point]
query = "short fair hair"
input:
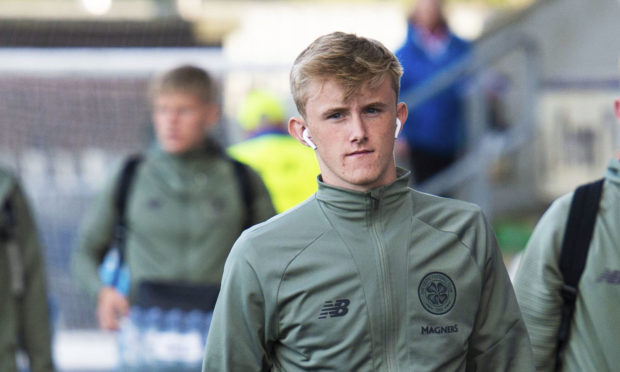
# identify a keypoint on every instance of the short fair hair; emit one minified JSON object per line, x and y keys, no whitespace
{"x":186,"y":79}
{"x":351,"y":60}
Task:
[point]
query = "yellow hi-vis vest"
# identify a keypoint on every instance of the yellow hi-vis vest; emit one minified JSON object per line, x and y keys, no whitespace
{"x":288,"y":168}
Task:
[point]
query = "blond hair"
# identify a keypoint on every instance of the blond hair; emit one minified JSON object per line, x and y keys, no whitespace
{"x":185,"y":79}
{"x":351,"y":60}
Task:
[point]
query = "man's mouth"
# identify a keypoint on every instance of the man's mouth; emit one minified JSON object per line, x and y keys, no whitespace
{"x":359,"y":152}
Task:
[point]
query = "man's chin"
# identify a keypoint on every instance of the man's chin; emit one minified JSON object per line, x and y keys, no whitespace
{"x":174,"y":150}
{"x":363,"y":182}
{"x":368,"y":179}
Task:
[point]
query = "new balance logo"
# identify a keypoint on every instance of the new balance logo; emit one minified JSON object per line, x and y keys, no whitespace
{"x":334,"y":308}
{"x":609,"y":276}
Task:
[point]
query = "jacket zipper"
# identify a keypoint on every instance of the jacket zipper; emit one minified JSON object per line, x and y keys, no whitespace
{"x":385,"y":286}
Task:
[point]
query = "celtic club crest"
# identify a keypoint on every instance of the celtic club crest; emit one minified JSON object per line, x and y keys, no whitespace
{"x":437,"y":293}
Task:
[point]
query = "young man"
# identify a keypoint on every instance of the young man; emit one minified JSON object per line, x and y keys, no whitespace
{"x":184,"y":209}
{"x":24,"y":314}
{"x":367,"y":274}
{"x":592,"y":344}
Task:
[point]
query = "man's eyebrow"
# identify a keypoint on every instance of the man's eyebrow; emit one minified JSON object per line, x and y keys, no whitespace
{"x":335,"y":110}
{"x":380,"y":104}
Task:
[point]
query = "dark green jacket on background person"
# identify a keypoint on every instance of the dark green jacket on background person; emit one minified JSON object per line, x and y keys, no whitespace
{"x":386,"y":280}
{"x":184,"y":213}
{"x":24,"y":313}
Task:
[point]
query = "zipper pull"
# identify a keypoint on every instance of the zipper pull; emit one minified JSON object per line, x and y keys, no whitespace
{"x":374,"y":203}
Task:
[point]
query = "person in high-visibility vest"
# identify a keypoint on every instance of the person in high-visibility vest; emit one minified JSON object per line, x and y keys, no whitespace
{"x":288,"y":169}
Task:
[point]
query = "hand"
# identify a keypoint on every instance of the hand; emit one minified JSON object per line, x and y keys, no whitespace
{"x":111,"y":306}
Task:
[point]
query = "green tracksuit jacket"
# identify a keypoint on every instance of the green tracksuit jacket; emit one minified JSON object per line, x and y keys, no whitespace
{"x":386,"y":280}
{"x":593,"y":342}
{"x":24,"y":319}
{"x":184,"y":213}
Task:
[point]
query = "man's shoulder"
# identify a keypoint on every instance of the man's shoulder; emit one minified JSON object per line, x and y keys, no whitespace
{"x":432,"y":207}
{"x":562,"y":203}
{"x":301,"y":220}
{"x":554,"y":218}
{"x":448,"y":215}
{"x":286,"y":233}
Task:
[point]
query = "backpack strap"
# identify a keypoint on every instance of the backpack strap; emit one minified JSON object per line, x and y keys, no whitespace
{"x":247,"y":192}
{"x":121,"y":195}
{"x":575,"y":245}
{"x":8,"y":224}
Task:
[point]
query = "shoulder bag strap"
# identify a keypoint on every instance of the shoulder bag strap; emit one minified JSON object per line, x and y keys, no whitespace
{"x":7,"y":236}
{"x":121,"y":195}
{"x":247,"y":192}
{"x":575,"y":245}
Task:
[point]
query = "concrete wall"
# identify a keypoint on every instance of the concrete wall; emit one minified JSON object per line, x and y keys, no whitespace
{"x":577,"y":44}
{"x":578,"y":39}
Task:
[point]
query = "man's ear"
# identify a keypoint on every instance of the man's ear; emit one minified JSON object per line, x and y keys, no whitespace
{"x":211,"y":115}
{"x":402,"y":113}
{"x":296,"y":126}
{"x":617,"y":107}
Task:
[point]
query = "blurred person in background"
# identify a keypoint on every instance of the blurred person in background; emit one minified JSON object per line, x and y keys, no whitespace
{"x":288,"y":169}
{"x":184,"y":209}
{"x":24,"y":313}
{"x":435,"y":132}
{"x":593,"y":325}
{"x":367,"y":274}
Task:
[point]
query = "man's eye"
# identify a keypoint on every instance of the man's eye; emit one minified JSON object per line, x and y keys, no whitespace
{"x":372,"y":110}
{"x":336,"y":115}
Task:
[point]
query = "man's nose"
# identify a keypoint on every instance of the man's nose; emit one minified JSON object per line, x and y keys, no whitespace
{"x":357,"y":128}
{"x":173,"y":115}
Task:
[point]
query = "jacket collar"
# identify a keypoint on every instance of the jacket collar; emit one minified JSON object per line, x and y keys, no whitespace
{"x":613,"y":171}
{"x":209,"y":148}
{"x":186,"y":173}
{"x":346,"y":200}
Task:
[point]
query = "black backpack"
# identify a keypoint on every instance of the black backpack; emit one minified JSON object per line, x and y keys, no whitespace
{"x":123,"y":188}
{"x":575,"y":245}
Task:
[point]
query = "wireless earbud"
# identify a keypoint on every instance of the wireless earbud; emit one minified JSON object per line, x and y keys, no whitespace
{"x":306,"y":138}
{"x":398,"y":125}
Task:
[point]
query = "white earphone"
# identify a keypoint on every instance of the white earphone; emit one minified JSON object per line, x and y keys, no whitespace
{"x":306,"y":138}
{"x":398,"y":125}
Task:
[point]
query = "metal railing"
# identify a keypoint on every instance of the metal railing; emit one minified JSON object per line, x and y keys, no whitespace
{"x":468,"y":177}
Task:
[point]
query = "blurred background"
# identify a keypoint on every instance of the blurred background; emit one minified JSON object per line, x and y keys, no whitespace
{"x":73,"y":75}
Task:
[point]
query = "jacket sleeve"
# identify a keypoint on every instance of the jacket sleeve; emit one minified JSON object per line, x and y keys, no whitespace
{"x":538,"y":281}
{"x":499,"y":340}
{"x":35,"y":327}
{"x":94,"y":238}
{"x":237,"y":340}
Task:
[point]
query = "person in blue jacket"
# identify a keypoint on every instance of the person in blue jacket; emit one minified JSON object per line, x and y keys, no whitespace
{"x":434,"y":134}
